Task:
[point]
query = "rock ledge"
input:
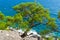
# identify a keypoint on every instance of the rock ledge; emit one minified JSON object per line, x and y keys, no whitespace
{"x":12,"y":35}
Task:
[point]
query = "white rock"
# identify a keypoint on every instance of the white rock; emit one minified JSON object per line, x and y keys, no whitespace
{"x":34,"y":33}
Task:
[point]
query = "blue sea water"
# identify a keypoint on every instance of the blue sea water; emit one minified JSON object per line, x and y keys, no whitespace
{"x":52,"y":5}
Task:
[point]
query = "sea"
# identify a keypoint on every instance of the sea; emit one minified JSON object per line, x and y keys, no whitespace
{"x":52,"y":5}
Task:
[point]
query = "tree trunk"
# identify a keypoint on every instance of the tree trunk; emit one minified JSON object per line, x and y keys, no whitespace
{"x":25,"y":33}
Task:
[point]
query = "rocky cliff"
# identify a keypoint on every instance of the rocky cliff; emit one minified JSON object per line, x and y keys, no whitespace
{"x":13,"y":35}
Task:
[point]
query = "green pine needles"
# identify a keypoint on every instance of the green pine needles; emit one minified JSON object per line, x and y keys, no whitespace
{"x":34,"y":14}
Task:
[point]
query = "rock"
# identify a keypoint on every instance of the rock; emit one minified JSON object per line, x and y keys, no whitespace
{"x":13,"y":35}
{"x":9,"y":35}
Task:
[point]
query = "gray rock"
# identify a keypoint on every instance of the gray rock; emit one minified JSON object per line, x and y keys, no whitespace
{"x":12,"y":35}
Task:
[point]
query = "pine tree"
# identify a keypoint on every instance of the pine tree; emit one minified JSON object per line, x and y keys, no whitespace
{"x":31,"y":14}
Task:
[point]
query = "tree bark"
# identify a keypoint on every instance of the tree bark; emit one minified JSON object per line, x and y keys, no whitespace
{"x":25,"y":33}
